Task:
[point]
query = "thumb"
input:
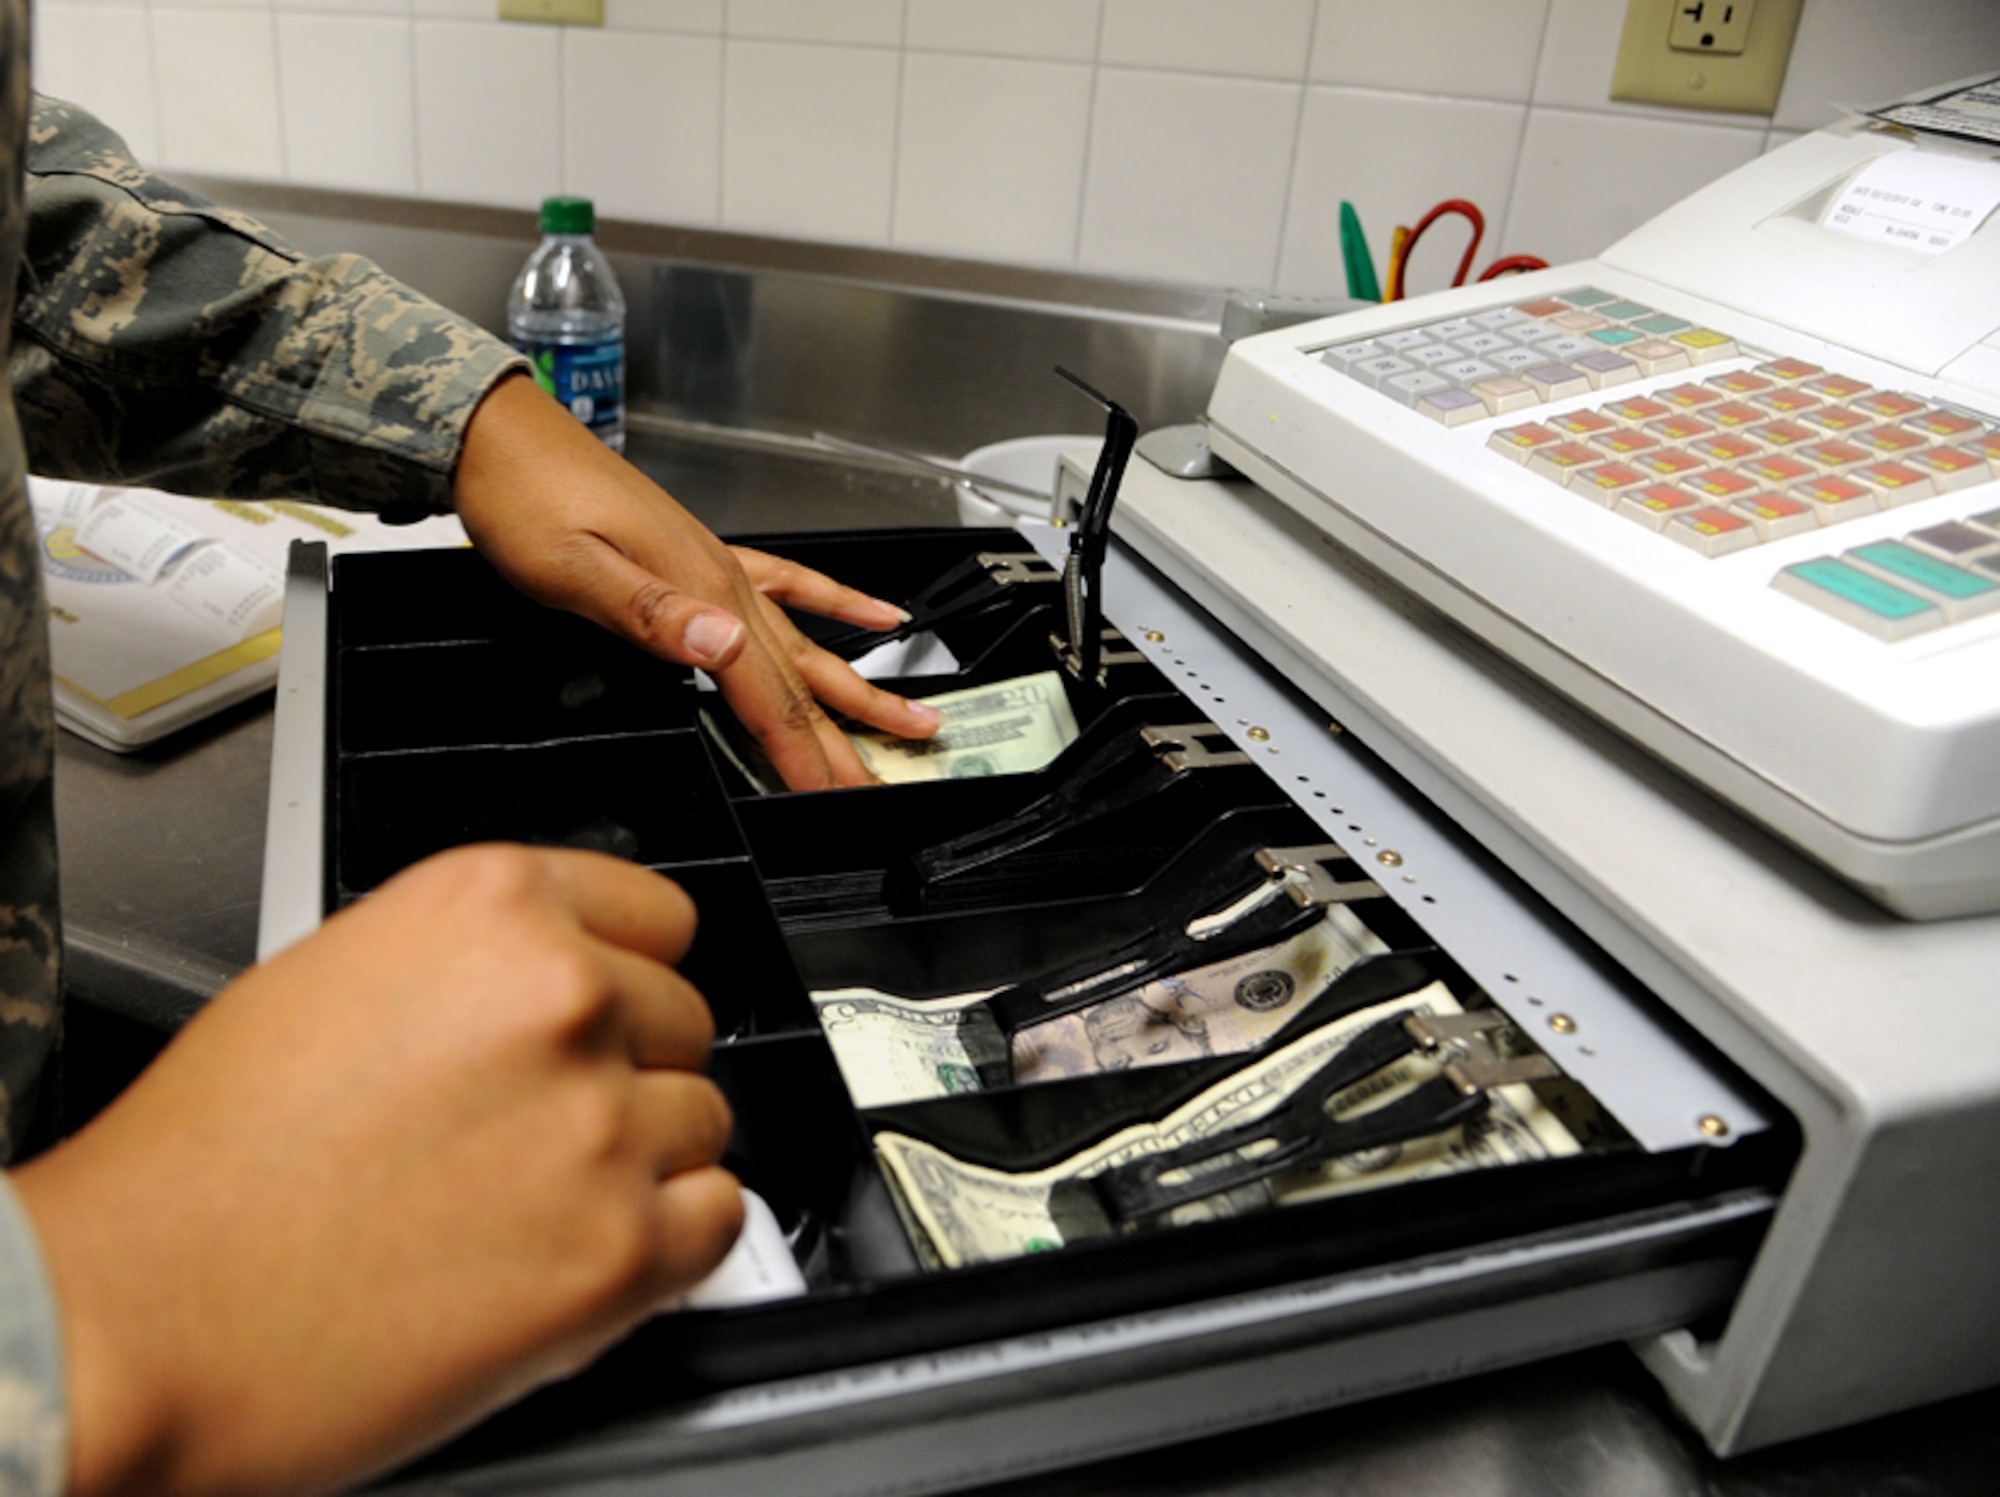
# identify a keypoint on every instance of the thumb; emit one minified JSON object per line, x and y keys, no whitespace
{"x":711,"y":639}
{"x":655,"y":614}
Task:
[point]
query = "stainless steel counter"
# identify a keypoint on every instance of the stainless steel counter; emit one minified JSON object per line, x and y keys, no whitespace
{"x":162,"y":849}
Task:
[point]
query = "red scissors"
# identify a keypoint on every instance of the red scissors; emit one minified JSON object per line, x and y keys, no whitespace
{"x":1405,"y":240}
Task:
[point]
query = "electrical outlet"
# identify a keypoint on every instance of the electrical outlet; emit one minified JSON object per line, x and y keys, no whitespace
{"x":554,"y":12}
{"x":1715,"y":27}
{"x":1706,"y":54}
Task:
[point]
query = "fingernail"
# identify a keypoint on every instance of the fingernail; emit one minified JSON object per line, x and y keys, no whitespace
{"x":902,"y":614}
{"x":930,"y":717}
{"x":710,"y":636}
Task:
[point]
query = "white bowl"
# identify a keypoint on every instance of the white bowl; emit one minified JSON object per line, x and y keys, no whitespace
{"x":1029,"y":460}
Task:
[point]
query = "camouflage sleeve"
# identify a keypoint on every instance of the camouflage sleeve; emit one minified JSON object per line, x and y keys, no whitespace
{"x":161,"y":340}
{"x":33,"y":1438}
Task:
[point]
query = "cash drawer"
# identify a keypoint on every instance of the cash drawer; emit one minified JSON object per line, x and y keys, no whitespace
{"x":424,"y":706}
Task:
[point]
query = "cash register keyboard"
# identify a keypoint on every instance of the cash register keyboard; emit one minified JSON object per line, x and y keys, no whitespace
{"x":1744,"y":449}
{"x":1772,"y":560}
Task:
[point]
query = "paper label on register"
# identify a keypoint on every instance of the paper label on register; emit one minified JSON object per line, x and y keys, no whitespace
{"x":1973,"y":112}
{"x":1919,"y":200}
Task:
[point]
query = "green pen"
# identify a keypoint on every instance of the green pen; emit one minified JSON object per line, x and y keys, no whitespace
{"x":1361,"y":282}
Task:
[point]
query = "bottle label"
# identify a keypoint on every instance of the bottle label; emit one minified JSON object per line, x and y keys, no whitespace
{"x":588,"y":378}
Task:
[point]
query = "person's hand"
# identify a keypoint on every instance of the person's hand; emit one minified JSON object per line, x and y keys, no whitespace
{"x":451,"y":1145}
{"x":572,"y":524}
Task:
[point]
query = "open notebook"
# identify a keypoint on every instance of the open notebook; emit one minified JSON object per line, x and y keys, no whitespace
{"x":164,"y":609}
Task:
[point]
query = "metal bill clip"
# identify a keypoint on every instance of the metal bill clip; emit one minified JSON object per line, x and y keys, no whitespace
{"x":1187,"y":747}
{"x":1012,"y":571}
{"x":1215,"y":914}
{"x":1304,"y":1132}
{"x":1311,"y":881}
{"x":1125,"y":655}
{"x":977,"y":586}
{"x":1462,"y":1044}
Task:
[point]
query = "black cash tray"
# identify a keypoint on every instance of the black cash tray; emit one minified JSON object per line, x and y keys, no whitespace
{"x":458,"y":712}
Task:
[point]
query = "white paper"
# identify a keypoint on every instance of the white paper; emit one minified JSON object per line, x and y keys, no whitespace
{"x":59,"y":503}
{"x":759,"y":1268}
{"x":1972,"y":112}
{"x":1919,"y":200}
{"x":238,"y":594}
{"x":137,"y":537}
{"x":919,"y":655}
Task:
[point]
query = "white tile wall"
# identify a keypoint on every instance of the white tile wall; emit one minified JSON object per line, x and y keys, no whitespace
{"x":479,"y":11}
{"x":102,"y":58}
{"x":489,"y":112}
{"x":1187,"y":175}
{"x":217,"y":74}
{"x":642,"y":124}
{"x":1201,"y":140}
{"x":699,"y":17}
{"x":873,"y":23}
{"x":349,"y":100}
{"x":809,"y":139}
{"x":1392,"y":156}
{"x":1578,"y":188}
{"x":1237,"y":38}
{"x":1485,"y":50}
{"x":991,"y":157}
{"x":1060,"y":29}
{"x":347,"y":7}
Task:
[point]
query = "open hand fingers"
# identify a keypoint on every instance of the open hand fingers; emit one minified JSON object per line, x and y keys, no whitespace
{"x":836,"y":683}
{"x":804,"y":745}
{"x":814,"y":592}
{"x":753,"y":668}
{"x":655,"y":613}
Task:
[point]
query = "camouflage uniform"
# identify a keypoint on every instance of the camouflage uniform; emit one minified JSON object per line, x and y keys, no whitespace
{"x":158,"y":339}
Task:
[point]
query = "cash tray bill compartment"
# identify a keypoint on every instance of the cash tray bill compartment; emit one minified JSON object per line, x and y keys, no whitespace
{"x":456,"y":712}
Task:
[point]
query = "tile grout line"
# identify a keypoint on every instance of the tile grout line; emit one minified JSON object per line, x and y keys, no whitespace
{"x":896,"y":121}
{"x":410,"y":19}
{"x":1298,"y":147}
{"x":1503,"y":238}
{"x":1089,"y":132}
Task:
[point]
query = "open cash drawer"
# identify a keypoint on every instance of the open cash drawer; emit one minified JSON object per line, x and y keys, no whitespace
{"x":425,"y":705}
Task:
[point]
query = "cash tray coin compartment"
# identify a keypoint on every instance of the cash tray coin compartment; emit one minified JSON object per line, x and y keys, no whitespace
{"x":458,"y":712}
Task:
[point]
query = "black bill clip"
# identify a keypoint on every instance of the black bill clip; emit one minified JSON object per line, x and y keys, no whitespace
{"x":1304,"y":1132}
{"x":1082,"y":652}
{"x":1136,"y":765}
{"x":1188,"y":934}
{"x":978,"y":586}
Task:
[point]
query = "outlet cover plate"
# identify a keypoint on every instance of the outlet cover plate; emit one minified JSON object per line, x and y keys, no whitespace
{"x":554,"y":12}
{"x":1650,"y":71}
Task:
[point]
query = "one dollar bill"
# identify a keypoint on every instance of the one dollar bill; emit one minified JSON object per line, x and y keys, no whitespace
{"x":893,"y":1049}
{"x":959,"y":1213}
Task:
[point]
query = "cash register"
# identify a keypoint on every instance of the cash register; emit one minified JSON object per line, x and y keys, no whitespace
{"x":1607,"y":647}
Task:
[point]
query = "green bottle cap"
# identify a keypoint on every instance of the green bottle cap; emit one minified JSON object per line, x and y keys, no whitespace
{"x":568,"y":216}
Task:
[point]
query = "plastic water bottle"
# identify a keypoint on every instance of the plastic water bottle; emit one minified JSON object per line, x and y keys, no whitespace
{"x":568,"y":316}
